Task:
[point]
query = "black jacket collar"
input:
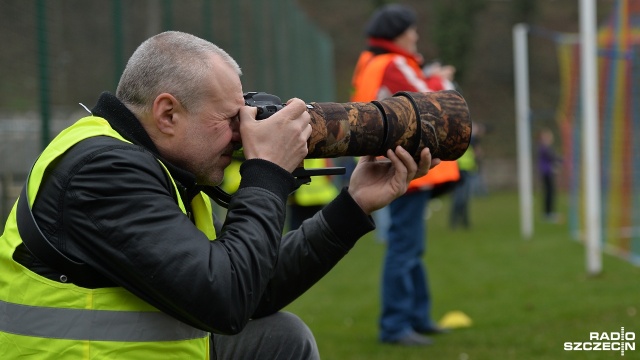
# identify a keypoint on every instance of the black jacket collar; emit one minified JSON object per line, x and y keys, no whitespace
{"x":126,"y":124}
{"x":123,"y":121}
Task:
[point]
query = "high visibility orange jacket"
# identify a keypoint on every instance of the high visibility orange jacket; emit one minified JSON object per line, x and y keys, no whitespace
{"x":384,"y":69}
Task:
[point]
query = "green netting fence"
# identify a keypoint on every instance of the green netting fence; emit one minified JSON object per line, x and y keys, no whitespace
{"x":58,"y":53}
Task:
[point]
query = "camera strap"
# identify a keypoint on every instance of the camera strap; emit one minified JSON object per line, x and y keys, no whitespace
{"x":37,"y":243}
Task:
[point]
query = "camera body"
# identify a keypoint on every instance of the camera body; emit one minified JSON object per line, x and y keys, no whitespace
{"x":267,"y":104}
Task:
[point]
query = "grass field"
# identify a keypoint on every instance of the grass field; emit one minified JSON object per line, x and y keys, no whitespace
{"x":525,"y":297}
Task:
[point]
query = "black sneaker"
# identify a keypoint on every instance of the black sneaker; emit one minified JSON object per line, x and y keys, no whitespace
{"x":412,"y":339}
{"x":435,"y":330}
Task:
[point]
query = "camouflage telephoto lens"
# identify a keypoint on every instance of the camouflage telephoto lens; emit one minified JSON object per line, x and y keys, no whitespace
{"x":414,"y":120}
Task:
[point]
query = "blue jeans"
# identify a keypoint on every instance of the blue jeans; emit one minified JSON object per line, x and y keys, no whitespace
{"x":406,"y":301}
{"x":460,"y":201}
{"x":381,"y":217}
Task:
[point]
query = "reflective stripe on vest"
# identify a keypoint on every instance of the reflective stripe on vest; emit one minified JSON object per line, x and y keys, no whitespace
{"x":51,"y":320}
{"x":80,"y":324}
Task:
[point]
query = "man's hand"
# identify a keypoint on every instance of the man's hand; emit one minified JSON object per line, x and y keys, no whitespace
{"x":375,"y":183}
{"x":281,"y":138}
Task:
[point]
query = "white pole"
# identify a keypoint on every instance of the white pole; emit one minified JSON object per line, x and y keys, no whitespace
{"x":523,"y":128}
{"x":590,"y":150}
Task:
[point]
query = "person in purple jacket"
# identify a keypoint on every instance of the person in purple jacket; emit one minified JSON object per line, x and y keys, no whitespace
{"x":547,"y":161}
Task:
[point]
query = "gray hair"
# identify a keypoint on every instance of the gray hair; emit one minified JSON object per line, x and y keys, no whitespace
{"x":173,"y":62}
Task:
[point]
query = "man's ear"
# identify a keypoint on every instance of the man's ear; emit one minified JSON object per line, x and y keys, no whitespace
{"x":165,"y":109}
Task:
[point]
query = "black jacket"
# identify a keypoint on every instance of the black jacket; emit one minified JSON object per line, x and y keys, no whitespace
{"x":111,"y":205}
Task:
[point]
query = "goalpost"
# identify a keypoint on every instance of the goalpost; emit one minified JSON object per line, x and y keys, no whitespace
{"x":589,"y":90}
{"x":598,"y":115}
{"x":591,"y":156}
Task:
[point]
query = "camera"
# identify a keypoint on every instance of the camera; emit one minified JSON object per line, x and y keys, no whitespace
{"x":267,"y":104}
{"x":414,"y":120}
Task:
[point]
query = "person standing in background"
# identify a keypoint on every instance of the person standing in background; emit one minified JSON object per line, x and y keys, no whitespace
{"x":462,"y":191}
{"x":389,"y":64}
{"x":547,"y":160}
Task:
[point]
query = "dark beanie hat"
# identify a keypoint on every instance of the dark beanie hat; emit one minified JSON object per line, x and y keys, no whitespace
{"x":390,"y":21}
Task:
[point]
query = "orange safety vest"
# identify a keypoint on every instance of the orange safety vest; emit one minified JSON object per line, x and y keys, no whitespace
{"x":446,"y":171}
{"x":365,"y":87}
{"x":367,"y":79}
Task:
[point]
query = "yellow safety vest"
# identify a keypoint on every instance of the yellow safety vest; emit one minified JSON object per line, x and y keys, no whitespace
{"x":44,"y":319}
{"x":231,"y":180}
{"x":467,"y":161}
{"x":320,"y":191}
